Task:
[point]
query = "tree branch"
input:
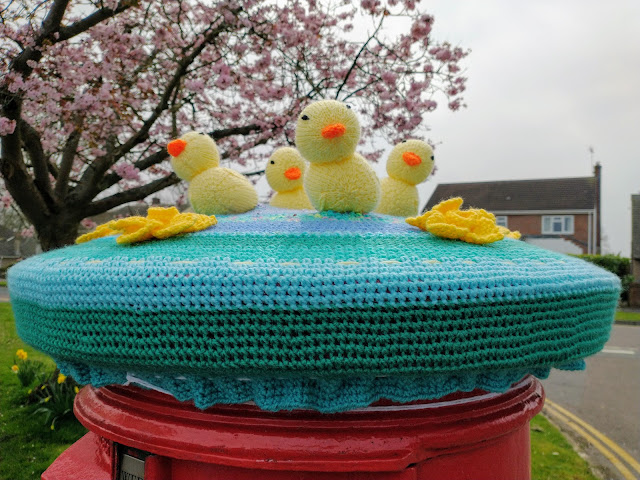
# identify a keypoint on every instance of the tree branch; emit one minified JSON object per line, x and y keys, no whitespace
{"x":68,"y":156}
{"x":132,"y":195}
{"x":18,"y":181}
{"x":92,"y":20}
{"x":357,"y":57}
{"x":227,"y":132}
{"x":33,"y":146}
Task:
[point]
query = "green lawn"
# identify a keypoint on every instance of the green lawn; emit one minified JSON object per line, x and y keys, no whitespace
{"x":28,"y":446}
{"x":628,"y":316}
{"x":552,"y":458}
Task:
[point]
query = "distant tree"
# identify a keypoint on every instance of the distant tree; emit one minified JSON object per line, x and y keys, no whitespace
{"x":91,"y":91}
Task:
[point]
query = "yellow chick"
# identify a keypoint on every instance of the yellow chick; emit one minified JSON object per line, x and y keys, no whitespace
{"x":327,"y":133}
{"x":213,"y":190}
{"x":409,"y":164}
{"x":284,"y":172}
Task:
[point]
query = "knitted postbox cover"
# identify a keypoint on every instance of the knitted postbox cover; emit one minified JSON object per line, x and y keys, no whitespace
{"x":298,"y":309}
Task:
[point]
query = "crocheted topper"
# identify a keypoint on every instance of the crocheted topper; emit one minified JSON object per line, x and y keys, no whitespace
{"x":294,"y":309}
{"x":474,"y":225}
{"x":159,"y":223}
{"x":338,"y":179}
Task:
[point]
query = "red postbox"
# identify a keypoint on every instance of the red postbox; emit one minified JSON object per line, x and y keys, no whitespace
{"x":137,"y":433}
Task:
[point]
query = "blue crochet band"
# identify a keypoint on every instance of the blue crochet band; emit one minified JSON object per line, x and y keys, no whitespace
{"x":327,"y":395}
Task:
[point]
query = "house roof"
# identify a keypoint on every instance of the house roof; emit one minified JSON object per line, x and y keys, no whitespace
{"x":635,"y":226}
{"x":516,"y":195}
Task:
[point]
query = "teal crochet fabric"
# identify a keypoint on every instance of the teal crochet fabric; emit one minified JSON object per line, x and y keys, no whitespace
{"x":298,"y":309}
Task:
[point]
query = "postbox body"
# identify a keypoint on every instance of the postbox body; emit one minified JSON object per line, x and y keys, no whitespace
{"x":142,"y":434}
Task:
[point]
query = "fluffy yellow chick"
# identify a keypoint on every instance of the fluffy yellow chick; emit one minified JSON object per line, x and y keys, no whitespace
{"x":409,"y":164}
{"x":285,"y":171}
{"x":338,"y":179}
{"x":213,"y":190}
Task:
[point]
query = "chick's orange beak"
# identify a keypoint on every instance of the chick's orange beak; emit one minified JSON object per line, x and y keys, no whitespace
{"x":176,"y":147}
{"x":334,"y":130}
{"x":411,"y":159}
{"x":293,"y":173}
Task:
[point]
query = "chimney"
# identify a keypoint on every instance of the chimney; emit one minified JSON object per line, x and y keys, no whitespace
{"x":597,"y":173}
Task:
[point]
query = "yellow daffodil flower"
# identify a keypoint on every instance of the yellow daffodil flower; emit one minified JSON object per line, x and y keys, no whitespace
{"x":21,"y":354}
{"x":14,"y":368}
{"x":474,"y":225}
{"x":61,"y":378}
{"x":159,"y":223}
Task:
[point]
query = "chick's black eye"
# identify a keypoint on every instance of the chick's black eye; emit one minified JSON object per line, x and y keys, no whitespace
{"x":404,"y":141}
{"x":432,"y":157}
{"x":304,"y":117}
{"x":348,"y":106}
{"x":273,"y":163}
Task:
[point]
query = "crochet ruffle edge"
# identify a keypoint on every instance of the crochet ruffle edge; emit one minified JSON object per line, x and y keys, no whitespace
{"x":327,"y":395}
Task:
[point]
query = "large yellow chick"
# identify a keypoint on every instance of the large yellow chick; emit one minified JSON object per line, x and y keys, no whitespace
{"x":213,"y":190}
{"x":409,"y":164}
{"x":285,"y":171}
{"x":327,"y":133}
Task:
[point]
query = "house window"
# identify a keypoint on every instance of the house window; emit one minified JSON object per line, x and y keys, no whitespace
{"x":557,"y":224}
{"x":502,"y":220}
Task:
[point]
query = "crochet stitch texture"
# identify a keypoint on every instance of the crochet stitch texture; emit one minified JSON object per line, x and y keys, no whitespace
{"x":295,"y":309}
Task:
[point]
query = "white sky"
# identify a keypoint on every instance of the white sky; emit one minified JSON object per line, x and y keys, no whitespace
{"x":547,"y":79}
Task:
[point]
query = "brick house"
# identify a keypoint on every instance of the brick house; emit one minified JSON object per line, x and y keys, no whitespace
{"x":560,"y":214}
{"x":634,"y":290}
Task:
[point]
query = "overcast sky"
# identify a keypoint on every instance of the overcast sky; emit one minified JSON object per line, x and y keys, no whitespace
{"x":547,"y":79}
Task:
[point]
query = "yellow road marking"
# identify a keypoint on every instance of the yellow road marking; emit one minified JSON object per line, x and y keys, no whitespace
{"x":554,"y":410}
{"x":606,"y":440}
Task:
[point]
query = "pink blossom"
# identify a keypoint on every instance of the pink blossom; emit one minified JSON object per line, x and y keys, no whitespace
{"x":6,"y":126}
{"x":127,"y":171}
{"x":88,"y":224}
{"x":28,"y":232}
{"x":6,"y":200}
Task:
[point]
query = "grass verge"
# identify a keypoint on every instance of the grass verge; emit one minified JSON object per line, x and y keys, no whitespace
{"x":28,"y":446}
{"x":552,"y":457}
{"x":628,"y":316}
{"x":27,"y":443}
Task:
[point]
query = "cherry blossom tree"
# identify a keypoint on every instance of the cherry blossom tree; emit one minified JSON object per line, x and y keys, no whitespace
{"x":91,"y":91}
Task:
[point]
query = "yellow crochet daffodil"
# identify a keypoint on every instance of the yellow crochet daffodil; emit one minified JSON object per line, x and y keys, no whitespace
{"x":474,"y":225}
{"x":159,"y":223}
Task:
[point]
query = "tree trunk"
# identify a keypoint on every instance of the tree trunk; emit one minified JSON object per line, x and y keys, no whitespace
{"x":59,"y":231}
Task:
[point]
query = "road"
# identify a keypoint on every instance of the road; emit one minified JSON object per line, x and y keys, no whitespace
{"x":606,"y":396}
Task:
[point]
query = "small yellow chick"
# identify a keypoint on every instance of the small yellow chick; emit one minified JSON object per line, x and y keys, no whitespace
{"x":213,"y":190}
{"x":409,"y":164}
{"x":285,"y":171}
{"x":327,"y":133}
